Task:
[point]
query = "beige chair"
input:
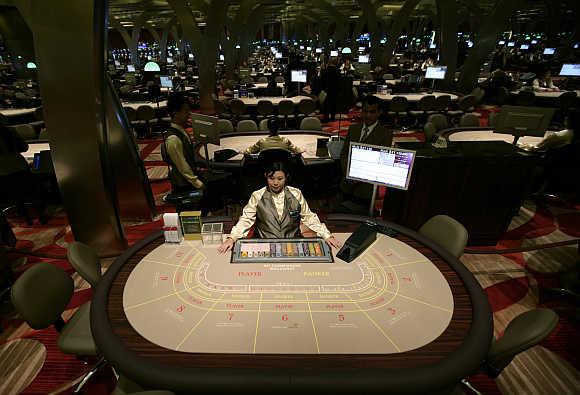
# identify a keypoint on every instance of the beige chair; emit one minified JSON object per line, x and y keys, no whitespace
{"x":264,"y":108}
{"x":145,"y":116}
{"x":263,"y":80}
{"x":425,"y":105}
{"x":464,"y":104}
{"x":264,"y":124}
{"x":523,"y":332}
{"x":388,"y":76}
{"x":429,"y":130}
{"x":85,"y":261}
{"x":310,"y":123}
{"x":279,"y":79}
{"x":446,"y":232}
{"x":468,"y":120}
{"x":398,"y":105}
{"x":225,"y":126}
{"x":442,"y":103}
{"x":439,"y":120}
{"x":26,"y":131}
{"x":247,"y":125}
{"x":238,"y":108}
{"x":306,"y":107}
{"x":40,"y":296}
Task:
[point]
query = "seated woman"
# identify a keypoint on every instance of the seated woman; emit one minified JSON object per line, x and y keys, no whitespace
{"x":276,"y":210}
{"x":544,"y":82}
{"x":273,"y":141}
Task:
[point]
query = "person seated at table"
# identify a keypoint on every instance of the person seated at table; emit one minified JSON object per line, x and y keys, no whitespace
{"x":177,"y":149}
{"x":273,"y":141}
{"x":347,"y":68}
{"x":557,"y":139}
{"x":370,"y":131}
{"x":277,"y":210}
{"x":543,"y":83}
{"x":429,"y":62}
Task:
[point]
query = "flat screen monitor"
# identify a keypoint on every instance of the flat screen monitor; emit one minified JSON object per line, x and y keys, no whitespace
{"x":436,"y":72}
{"x":570,"y":70}
{"x":301,"y":47}
{"x":361,"y":49}
{"x":384,"y":166}
{"x":501,"y":42}
{"x":130,"y":68}
{"x":190,"y":56}
{"x":534,"y":41}
{"x":525,"y":46}
{"x":278,"y":55}
{"x":169,"y":60}
{"x":117,"y":63}
{"x":298,"y":75}
{"x":205,"y":128}
{"x":511,"y":44}
{"x":309,"y":48}
{"x":166,"y":82}
{"x":549,"y":51}
{"x":318,"y":50}
{"x":334,"y":53}
{"x":433,"y":46}
{"x":523,"y":120}
{"x":363,"y":58}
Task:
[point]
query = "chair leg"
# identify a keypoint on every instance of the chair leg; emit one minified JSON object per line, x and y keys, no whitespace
{"x":100,"y":363}
{"x":467,"y":384}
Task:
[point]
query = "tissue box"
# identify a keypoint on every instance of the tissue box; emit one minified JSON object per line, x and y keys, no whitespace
{"x":171,"y":228}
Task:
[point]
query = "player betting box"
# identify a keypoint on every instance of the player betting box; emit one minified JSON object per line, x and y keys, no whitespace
{"x":281,"y":250}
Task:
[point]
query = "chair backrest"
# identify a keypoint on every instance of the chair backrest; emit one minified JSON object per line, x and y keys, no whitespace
{"x":41,"y":294}
{"x":523,"y":332}
{"x":279,"y":78}
{"x":566,"y":100}
{"x":247,"y":125}
{"x":446,"y":232}
{"x":263,"y":80}
{"x":265,"y":107}
{"x":492,"y":118}
{"x":398,"y":104}
{"x":237,"y":107}
{"x":429,"y":130}
{"x":478,"y":93}
{"x":43,"y":135}
{"x":388,"y":76}
{"x":26,"y":131}
{"x":502,"y":95}
{"x":225,"y":126}
{"x":85,"y":261}
{"x":247,"y":80}
{"x":442,"y":102}
{"x":39,"y":114}
{"x":466,"y":103}
{"x":218,"y":107}
{"x":131,"y":113}
{"x":310,"y":123}
{"x":264,"y":124}
{"x":275,"y":155}
{"x":286,"y":107}
{"x":439,"y":120}
{"x":525,"y":98}
{"x":145,"y":113}
{"x":306,"y":106}
{"x":468,"y":120}
{"x":426,"y":103}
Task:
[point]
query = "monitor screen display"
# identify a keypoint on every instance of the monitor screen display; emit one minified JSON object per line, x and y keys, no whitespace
{"x":166,"y":82}
{"x":436,"y":73}
{"x":169,"y":60}
{"x":205,"y":128}
{"x":570,"y":70}
{"x":361,"y":49}
{"x":549,"y":51}
{"x":524,"y":46}
{"x":278,"y":55}
{"x":309,"y":48}
{"x":117,"y":63}
{"x":318,"y":50}
{"x":384,"y":166}
{"x":130,"y":68}
{"x":501,"y":42}
{"x":433,"y":46}
{"x":190,"y":56}
{"x":534,"y":41}
{"x":301,"y":47}
{"x":363,"y":58}
{"x":511,"y":44}
{"x":298,"y":75}
{"x":334,"y":53}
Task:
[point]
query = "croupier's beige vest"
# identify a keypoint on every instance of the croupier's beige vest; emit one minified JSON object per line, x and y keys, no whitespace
{"x":268,"y":225}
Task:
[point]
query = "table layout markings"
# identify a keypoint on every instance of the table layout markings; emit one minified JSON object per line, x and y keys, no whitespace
{"x":421,"y":302}
{"x":197,"y":324}
{"x":313,"y":326}
{"x":155,"y":300}
{"x":257,"y":323}
{"x":375,"y":324}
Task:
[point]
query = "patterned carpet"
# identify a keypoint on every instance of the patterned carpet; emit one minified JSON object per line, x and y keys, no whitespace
{"x":30,"y":362}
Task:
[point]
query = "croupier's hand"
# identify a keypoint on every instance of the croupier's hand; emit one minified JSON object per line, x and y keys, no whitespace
{"x":226,"y":246}
{"x":333,"y":242}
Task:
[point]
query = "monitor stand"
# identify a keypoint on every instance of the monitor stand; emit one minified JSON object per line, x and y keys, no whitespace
{"x":518,"y":132}
{"x":373,"y":198}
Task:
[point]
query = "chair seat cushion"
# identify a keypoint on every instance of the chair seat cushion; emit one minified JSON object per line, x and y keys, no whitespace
{"x":76,"y":336}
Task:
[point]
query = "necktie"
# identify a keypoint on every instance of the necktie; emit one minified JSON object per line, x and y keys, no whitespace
{"x":365,"y":133}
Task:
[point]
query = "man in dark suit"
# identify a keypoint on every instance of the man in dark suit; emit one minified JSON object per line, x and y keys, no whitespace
{"x":370,"y":131}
